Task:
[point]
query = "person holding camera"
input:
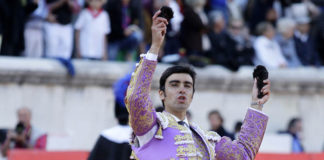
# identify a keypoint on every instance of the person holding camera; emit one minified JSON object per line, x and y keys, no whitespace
{"x":24,"y":136}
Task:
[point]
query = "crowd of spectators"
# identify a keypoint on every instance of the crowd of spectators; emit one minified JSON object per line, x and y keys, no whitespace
{"x":231,"y":33}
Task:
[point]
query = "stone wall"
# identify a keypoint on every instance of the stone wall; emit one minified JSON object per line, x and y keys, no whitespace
{"x":74,"y":110}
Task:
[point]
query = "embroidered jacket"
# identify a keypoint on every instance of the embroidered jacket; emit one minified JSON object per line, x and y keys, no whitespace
{"x":174,"y":141}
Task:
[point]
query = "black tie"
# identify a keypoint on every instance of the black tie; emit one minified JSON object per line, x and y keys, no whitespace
{"x":182,"y":123}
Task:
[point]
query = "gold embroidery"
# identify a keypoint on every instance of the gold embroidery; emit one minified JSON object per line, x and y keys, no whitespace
{"x":137,"y":99}
{"x":133,"y":156}
{"x":190,"y":146}
{"x":201,"y":147}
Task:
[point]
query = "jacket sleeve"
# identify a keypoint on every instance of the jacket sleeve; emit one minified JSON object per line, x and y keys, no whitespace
{"x":142,"y":114}
{"x":248,"y":143}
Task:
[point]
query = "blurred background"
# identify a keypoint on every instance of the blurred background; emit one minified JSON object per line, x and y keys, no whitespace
{"x":61,"y":61}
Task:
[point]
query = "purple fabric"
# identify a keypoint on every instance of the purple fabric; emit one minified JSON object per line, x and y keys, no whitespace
{"x":244,"y":148}
{"x":248,"y":143}
{"x":143,"y":118}
{"x":159,"y":149}
{"x":165,"y":148}
{"x":142,"y":114}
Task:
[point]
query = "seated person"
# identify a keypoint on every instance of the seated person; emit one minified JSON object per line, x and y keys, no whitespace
{"x":25,"y":136}
{"x":294,"y":129}
{"x":267,"y":50}
{"x":216,"y":124}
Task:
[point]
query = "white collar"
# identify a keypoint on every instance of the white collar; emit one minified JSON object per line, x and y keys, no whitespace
{"x":118,"y":134}
{"x":178,"y":120}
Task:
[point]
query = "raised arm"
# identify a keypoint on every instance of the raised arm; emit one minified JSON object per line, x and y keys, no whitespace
{"x":142,"y":114}
{"x":248,"y":143}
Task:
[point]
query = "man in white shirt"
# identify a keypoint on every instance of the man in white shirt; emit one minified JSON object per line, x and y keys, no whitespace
{"x":267,"y":50}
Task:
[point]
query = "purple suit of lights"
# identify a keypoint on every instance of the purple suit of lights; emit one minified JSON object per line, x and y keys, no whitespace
{"x":176,"y":142}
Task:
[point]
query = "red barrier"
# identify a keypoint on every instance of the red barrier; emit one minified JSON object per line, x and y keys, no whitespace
{"x":83,"y":155}
{"x":44,"y":155}
{"x":263,"y":156}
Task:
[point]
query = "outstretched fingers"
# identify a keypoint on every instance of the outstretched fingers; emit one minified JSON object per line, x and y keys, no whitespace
{"x":266,"y":92}
{"x":156,"y":14}
{"x":157,"y":19}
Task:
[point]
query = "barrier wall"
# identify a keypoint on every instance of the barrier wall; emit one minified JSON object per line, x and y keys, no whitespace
{"x":74,"y":110}
{"x":44,"y":155}
{"x":317,"y":156}
{"x":82,"y":155}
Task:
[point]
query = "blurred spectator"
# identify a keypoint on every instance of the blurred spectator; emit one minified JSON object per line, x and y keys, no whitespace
{"x":25,"y":136}
{"x":301,"y":8}
{"x":13,"y":15}
{"x":3,"y":134}
{"x":92,"y":29}
{"x":113,"y":143}
{"x":148,"y":11}
{"x":172,"y":41}
{"x":218,"y":5}
{"x":58,"y":30}
{"x":242,"y":4}
{"x":258,"y":11}
{"x":34,"y":31}
{"x":237,"y":129}
{"x":319,"y":4}
{"x":272,"y":16}
{"x":240,"y":43}
{"x":231,"y":48}
{"x":126,"y":35}
{"x":217,"y":36}
{"x":1,"y":21}
{"x":286,"y":28}
{"x":268,"y":52}
{"x":235,"y":12}
{"x":216,"y":123}
{"x":193,"y":31}
{"x":320,"y":35}
{"x":294,"y":129}
{"x":305,"y":43}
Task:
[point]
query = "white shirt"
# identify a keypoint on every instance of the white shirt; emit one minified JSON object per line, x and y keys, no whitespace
{"x":178,"y":120}
{"x":93,"y":30}
{"x":268,"y":53}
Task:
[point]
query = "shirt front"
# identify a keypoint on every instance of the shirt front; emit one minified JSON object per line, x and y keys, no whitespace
{"x":93,"y":29}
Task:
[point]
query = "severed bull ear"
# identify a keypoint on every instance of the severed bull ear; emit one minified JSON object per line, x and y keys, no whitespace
{"x":166,"y":12}
{"x":261,"y":74}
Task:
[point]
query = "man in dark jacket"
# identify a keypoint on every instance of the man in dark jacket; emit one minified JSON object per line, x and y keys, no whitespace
{"x":126,"y":34}
{"x":305,"y":43}
{"x":112,"y":143}
{"x":216,"y":124}
{"x":231,"y":48}
{"x":13,"y":15}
